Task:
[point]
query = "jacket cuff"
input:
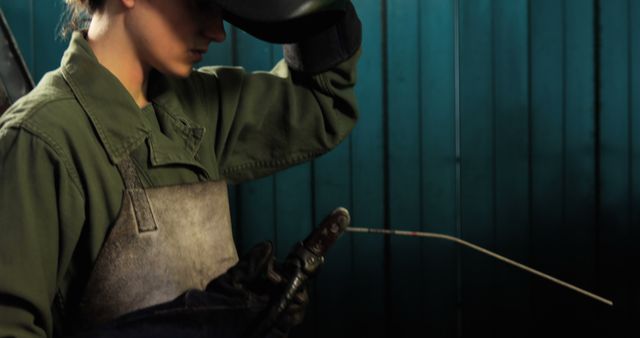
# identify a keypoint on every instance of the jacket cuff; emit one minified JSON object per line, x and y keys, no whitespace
{"x":326,"y":49}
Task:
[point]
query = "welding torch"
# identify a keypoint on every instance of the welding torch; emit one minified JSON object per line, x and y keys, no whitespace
{"x":307,"y":256}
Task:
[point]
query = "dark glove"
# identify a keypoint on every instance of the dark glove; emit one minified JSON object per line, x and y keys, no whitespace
{"x":231,"y":306}
{"x":259,"y":280}
{"x":328,"y":48}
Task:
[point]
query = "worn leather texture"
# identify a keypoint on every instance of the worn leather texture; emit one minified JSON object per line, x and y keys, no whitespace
{"x":192,"y":245}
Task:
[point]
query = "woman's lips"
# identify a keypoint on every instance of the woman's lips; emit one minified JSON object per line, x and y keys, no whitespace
{"x":197,"y":54}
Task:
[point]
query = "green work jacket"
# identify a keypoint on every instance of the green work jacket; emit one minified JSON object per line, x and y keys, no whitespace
{"x":60,"y":191}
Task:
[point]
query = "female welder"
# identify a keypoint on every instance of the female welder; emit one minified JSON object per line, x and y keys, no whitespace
{"x":113,"y":169}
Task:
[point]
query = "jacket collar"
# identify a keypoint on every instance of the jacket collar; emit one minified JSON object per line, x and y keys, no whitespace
{"x":117,"y":118}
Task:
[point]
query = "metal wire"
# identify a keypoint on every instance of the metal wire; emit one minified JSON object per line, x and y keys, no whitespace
{"x":484,"y":251}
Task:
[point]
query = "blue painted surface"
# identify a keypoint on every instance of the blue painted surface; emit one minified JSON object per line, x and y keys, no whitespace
{"x":440,"y":260}
{"x":634,"y":130}
{"x":403,"y":166}
{"x":579,"y":171}
{"x":367,"y":276}
{"x":547,"y":150}
{"x":19,"y":15}
{"x":614,"y":207}
{"x":47,"y":44}
{"x":512,"y":123}
{"x":511,"y":161}
{"x":477,"y":179}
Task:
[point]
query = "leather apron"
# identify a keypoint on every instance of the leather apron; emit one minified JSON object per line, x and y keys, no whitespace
{"x":165,"y":241}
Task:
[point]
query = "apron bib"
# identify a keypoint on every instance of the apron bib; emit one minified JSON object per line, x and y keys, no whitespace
{"x":164,"y":242}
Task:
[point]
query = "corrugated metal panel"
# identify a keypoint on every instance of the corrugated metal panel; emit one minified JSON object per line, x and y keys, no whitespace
{"x":562,"y":158}
{"x":477,"y":168}
{"x":368,"y":281}
{"x":634,"y":12}
{"x":438,"y":45}
{"x":403,"y":165}
{"x":616,"y":246}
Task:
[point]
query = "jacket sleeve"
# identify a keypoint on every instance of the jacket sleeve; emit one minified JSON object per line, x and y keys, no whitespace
{"x":270,"y":121}
{"x":266,"y":121}
{"x":37,"y":196}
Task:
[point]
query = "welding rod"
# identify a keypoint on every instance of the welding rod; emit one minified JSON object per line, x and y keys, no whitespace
{"x":484,"y":251}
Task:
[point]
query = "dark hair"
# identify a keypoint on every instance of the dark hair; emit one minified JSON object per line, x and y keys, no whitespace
{"x":78,"y":14}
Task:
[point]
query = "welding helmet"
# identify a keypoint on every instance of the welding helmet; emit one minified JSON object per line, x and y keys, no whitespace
{"x":282,"y":21}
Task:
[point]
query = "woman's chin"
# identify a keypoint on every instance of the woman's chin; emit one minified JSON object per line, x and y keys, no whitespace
{"x":179,"y":71}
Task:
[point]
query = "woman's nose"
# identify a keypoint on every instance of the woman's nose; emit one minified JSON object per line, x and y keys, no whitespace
{"x":213,"y":26}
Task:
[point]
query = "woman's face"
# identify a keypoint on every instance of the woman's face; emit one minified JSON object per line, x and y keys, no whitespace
{"x":172,"y":35}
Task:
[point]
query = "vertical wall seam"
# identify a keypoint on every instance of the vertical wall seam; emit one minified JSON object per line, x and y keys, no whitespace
{"x":597,"y":133}
{"x":631,"y":111}
{"x":493,"y":125}
{"x":530,"y":145}
{"x":385,"y":135}
{"x":234,"y":45}
{"x":351,"y":201}
{"x":458,"y":162}
{"x":421,"y":161}
{"x":274,"y":177}
{"x":494,"y":174}
{"x":629,"y":102}
{"x":564,"y":114}
{"x":312,"y":189}
{"x":633,"y":220}
{"x":32,"y":42}
{"x":274,"y":196}
{"x":420,"y":112}
{"x":314,"y":199}
{"x":352,"y":241}
{"x":627,"y":246}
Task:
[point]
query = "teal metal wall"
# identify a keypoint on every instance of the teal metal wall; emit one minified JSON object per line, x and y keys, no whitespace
{"x":514,"y":124}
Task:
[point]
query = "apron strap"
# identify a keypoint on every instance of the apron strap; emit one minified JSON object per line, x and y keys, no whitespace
{"x":141,"y":206}
{"x":129,"y":174}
